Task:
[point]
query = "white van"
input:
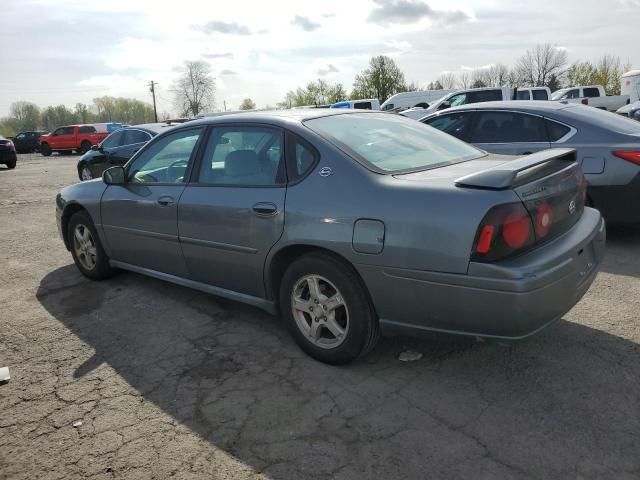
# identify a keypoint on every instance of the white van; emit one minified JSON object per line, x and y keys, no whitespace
{"x":461,"y":97}
{"x":630,"y":85}
{"x":405,"y":100}
{"x":362,"y":104}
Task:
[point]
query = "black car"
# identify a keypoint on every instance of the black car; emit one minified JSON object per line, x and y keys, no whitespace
{"x":27,"y":142}
{"x":7,"y":152}
{"x":117,"y":148}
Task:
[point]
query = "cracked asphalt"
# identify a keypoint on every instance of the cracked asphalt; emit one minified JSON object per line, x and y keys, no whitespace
{"x":172,"y":383}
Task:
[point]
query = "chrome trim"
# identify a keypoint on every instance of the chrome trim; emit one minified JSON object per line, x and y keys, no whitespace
{"x":218,"y":245}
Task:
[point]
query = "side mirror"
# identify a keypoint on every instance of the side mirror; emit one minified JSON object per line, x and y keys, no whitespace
{"x":113,"y":176}
{"x":95,"y":148}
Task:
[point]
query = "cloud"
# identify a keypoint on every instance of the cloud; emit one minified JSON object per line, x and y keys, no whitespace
{"x":213,"y":56}
{"x":305,"y":23}
{"x":327,"y":70}
{"x":388,"y":12}
{"x":331,"y":15}
{"x":227,"y":72}
{"x":228,"y":28}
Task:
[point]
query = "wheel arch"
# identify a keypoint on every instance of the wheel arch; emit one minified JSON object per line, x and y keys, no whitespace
{"x":68,"y":212}
{"x":282,"y":258}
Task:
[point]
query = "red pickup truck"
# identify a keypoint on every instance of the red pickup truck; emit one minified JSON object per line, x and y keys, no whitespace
{"x":72,"y":137}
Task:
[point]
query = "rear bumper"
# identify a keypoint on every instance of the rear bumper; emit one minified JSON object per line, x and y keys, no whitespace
{"x":510,"y":300}
{"x":618,"y":203}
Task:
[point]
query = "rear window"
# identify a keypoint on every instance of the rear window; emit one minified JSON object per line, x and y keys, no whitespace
{"x":392,"y":143}
{"x":522,"y":95}
{"x":608,"y":120}
{"x":591,"y":92}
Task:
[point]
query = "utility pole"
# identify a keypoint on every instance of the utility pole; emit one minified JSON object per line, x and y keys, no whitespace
{"x":152,"y":88}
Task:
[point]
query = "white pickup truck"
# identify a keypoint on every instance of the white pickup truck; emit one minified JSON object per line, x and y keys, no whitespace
{"x":592,"y":95}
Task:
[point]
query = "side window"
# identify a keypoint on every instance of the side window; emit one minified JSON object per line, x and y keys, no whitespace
{"x":508,"y":127}
{"x":456,"y":100}
{"x":523,"y":95}
{"x":113,"y":140}
{"x":58,"y":131}
{"x":362,"y":105}
{"x":67,"y":131}
{"x":456,"y":124}
{"x":135,"y":136}
{"x":86,"y":129}
{"x":591,"y":92}
{"x":243,"y":156}
{"x":556,"y":130}
{"x":21,"y":136}
{"x":388,"y":106}
{"x":166,"y":160}
{"x":301,"y":157}
{"x":484,"y":96}
{"x":540,"y":95}
{"x":575,"y":93}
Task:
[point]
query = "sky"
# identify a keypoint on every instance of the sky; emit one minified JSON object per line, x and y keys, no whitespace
{"x":68,"y":51}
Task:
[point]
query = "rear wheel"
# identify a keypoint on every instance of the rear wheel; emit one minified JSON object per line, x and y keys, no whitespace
{"x":86,"y":249}
{"x":45,"y":150}
{"x":327,"y":309}
{"x":85,"y":146}
{"x":12,"y":163}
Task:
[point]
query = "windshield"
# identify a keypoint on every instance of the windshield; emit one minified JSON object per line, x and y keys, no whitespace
{"x":557,"y":95}
{"x":392,"y":143}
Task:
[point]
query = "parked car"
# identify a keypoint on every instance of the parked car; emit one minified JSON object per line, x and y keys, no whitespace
{"x":391,"y":226}
{"x":632,"y":110}
{"x":27,"y":142}
{"x":73,"y":137}
{"x":8,"y":154}
{"x":117,"y":149}
{"x":406,"y":100}
{"x":363,"y":104}
{"x":461,"y":97}
{"x":608,"y":145}
{"x":593,"y":95}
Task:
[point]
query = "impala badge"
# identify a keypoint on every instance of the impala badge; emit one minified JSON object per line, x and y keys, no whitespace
{"x":572,"y":207}
{"x":325,"y":172}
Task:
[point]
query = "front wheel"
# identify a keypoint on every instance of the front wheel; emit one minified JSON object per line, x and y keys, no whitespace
{"x":85,"y":172}
{"x":86,"y":249}
{"x":45,"y":150}
{"x":327,"y":309}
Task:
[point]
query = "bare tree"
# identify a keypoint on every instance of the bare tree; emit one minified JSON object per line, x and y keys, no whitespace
{"x":464,"y":79}
{"x":497,"y":75}
{"x":194,"y":90}
{"x":447,"y":80}
{"x":25,"y":115}
{"x":538,"y":65}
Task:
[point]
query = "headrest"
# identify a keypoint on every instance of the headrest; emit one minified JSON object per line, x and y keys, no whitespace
{"x":240,"y":163}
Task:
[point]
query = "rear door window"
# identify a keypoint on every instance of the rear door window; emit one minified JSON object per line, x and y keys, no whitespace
{"x":301,"y":157}
{"x":456,"y":124}
{"x":135,"y":136}
{"x":362,"y":105}
{"x":540,"y":95}
{"x":508,"y":127}
{"x":523,"y":95}
{"x":556,"y":130}
{"x":86,"y":129}
{"x":113,"y":140}
{"x":484,"y":96}
{"x":591,"y":92}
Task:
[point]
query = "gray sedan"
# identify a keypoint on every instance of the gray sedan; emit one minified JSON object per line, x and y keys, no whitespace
{"x":350,"y":224}
{"x":608,"y":145}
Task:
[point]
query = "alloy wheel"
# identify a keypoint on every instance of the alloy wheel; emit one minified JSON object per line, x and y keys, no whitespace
{"x":320,"y":311}
{"x":84,"y":246}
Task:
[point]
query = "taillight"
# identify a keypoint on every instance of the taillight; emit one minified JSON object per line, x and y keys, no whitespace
{"x":504,"y":230}
{"x":585,"y":101}
{"x":629,"y":156}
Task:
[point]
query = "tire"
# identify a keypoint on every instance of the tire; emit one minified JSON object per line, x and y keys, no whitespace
{"x":313,"y":325}
{"x":85,"y":146}
{"x":12,"y":163}
{"x":45,"y":150}
{"x":88,"y":255}
{"x":84,"y":172}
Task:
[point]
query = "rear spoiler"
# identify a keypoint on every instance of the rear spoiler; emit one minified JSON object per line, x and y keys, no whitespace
{"x":505,"y":175}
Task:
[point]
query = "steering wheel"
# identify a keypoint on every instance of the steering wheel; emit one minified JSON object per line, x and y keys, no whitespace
{"x":177,"y":164}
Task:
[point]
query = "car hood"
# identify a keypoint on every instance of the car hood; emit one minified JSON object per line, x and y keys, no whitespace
{"x":628,"y":108}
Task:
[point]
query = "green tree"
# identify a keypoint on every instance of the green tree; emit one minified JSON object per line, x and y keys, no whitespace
{"x":57,"y":116}
{"x":382,"y":79}
{"x":318,"y":92}
{"x":247,"y":104}
{"x":24,"y":116}
{"x":83,"y":113}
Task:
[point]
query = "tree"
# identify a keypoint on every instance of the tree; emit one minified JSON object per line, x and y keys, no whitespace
{"x":580,"y":73}
{"x":435,"y":85}
{"x":195,"y":88}
{"x":318,"y":92}
{"x":497,"y":75}
{"x":479,"y":78}
{"x":247,"y":104}
{"x":536,"y":67}
{"x":382,"y":79}
{"x":464,"y":80}
{"x":82,"y":113}
{"x":24,"y":116}
{"x":447,"y":80}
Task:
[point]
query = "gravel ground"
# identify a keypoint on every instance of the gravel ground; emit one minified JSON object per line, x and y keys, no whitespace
{"x":171,"y":383}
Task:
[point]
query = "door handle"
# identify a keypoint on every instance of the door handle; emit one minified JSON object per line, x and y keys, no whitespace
{"x":265,"y":209}
{"x":165,"y":201}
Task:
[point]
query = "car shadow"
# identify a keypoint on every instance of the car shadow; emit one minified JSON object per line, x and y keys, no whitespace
{"x":623,"y":250}
{"x":564,"y":403}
